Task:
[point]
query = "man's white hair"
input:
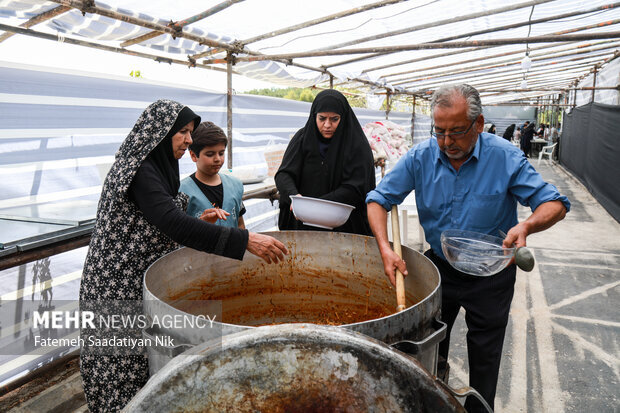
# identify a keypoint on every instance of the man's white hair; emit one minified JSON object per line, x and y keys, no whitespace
{"x":444,"y":97}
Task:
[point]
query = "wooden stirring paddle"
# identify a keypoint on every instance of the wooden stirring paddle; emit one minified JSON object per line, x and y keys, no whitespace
{"x":400,"y":278}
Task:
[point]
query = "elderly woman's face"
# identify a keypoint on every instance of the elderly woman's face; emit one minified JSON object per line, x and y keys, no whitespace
{"x":327,"y":123}
{"x":182,"y":139}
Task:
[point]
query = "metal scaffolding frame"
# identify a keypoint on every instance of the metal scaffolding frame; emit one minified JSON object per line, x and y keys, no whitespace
{"x":563,"y":57}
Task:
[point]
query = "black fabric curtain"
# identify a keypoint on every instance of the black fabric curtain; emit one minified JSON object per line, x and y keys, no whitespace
{"x":590,"y":149}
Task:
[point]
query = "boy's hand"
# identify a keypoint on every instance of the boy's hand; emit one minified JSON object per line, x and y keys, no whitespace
{"x":213,"y":214}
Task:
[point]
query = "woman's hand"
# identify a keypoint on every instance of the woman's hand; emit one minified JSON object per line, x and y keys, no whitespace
{"x":292,"y":204}
{"x":213,"y":214}
{"x":266,"y":247}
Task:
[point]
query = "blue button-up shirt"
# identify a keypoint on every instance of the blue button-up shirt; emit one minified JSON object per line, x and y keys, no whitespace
{"x":481,"y":196}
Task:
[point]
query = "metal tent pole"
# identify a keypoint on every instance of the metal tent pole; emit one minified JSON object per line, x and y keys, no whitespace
{"x":178,"y":25}
{"x":430,"y":45}
{"x":38,"y":19}
{"x":458,"y":19}
{"x":413,"y":118}
{"x":594,"y":82}
{"x":229,"y":108}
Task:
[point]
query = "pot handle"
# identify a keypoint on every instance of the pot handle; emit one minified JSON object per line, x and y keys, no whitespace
{"x":416,"y":347}
{"x":464,"y":392}
{"x":170,"y":351}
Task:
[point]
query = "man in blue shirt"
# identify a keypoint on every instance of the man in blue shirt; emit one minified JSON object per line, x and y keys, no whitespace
{"x":466,"y":179}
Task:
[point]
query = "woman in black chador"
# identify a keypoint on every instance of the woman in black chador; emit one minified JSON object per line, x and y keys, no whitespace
{"x":510,"y":130}
{"x":329,"y":158}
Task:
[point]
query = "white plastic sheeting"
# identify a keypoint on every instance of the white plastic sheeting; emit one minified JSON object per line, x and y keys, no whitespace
{"x":394,"y":24}
{"x":608,"y":76}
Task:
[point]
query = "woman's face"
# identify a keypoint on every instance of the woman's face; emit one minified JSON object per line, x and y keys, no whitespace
{"x":182,"y":139}
{"x":327,"y":123}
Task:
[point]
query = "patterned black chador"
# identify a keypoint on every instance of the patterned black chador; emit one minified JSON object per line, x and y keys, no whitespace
{"x":140,"y":217}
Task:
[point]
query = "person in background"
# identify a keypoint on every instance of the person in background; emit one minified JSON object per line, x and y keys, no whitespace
{"x":522,"y":141}
{"x":546,"y":132}
{"x":555,"y":138}
{"x":140,"y":218}
{"x":526,"y":139}
{"x":509,"y":132}
{"x":516,"y":137}
{"x":329,"y":158}
{"x":469,"y":180}
{"x":213,"y":197}
{"x":492,"y":129}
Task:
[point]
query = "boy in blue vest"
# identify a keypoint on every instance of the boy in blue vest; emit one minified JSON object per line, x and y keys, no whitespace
{"x":213,"y":197}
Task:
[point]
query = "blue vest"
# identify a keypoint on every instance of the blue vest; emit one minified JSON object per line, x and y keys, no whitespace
{"x":198,"y":202}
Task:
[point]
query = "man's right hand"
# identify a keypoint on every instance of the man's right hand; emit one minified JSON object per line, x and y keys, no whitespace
{"x":391,"y":261}
{"x":377,"y":217}
{"x":266,"y":247}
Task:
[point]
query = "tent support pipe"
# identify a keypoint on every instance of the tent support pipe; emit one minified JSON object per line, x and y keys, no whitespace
{"x":559,"y":105}
{"x":181,"y":23}
{"x":458,"y":19}
{"x":469,"y":50}
{"x":547,"y":90}
{"x":412,"y":118}
{"x":447,"y":45}
{"x":320,"y":20}
{"x":229,"y":112}
{"x":91,"y":8}
{"x":473,"y":49}
{"x":538,"y":83}
{"x":511,"y":26}
{"x":529,"y":22}
{"x":574,"y":98}
{"x":506,"y":71}
{"x":496,"y":29}
{"x":47,"y":36}
{"x":502,"y":67}
{"x":606,"y":45}
{"x":54,"y":248}
{"x":500,"y":74}
{"x":565,"y":76}
{"x":571,"y":47}
{"x":388,"y":103}
{"x":505,"y":63}
{"x":499,"y":77}
{"x":56,"y":11}
{"x":594,"y":82}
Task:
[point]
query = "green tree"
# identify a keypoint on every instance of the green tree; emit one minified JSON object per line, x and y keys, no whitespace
{"x":306,"y":95}
{"x":355,"y":98}
{"x":292,"y":94}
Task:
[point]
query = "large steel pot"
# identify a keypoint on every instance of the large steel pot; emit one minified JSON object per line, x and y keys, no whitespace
{"x":327,"y":277}
{"x":294,"y":368}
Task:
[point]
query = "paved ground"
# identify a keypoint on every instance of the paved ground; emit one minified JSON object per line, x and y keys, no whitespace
{"x":562,"y":348}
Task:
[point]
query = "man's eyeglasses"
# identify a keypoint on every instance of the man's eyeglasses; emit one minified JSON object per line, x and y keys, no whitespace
{"x":454,"y":135}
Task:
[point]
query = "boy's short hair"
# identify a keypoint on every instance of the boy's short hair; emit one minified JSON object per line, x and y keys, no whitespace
{"x":207,"y":134}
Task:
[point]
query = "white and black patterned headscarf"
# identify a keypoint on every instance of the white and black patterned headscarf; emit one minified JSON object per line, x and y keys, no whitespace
{"x":151,"y":137}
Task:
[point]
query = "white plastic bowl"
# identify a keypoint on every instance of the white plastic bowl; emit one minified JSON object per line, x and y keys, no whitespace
{"x":320,"y":213}
{"x":475,"y":253}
